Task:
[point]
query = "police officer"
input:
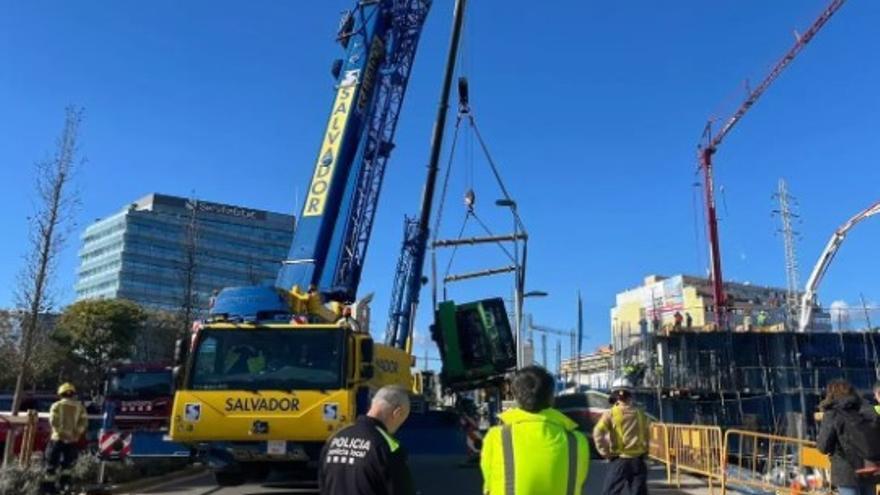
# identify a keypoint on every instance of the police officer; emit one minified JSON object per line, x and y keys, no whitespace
{"x":621,"y":436}
{"x":69,"y":422}
{"x":536,"y":450}
{"x":365,"y":458}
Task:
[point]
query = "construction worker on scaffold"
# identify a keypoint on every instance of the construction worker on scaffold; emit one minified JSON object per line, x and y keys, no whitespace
{"x":621,"y":436}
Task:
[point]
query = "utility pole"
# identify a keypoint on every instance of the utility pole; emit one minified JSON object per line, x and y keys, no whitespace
{"x":544,"y":350}
{"x":867,"y":314}
{"x":787,"y":215}
{"x":558,"y":357}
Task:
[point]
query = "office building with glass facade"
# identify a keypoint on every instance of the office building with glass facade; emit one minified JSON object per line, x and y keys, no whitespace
{"x":147,"y":252}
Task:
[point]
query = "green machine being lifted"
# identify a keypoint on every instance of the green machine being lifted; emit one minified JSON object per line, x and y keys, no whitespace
{"x":475,"y":342}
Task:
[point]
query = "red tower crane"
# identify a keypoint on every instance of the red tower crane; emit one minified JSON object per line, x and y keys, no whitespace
{"x":710,"y":146}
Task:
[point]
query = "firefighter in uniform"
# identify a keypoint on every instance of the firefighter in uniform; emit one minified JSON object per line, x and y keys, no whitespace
{"x":621,"y":436}
{"x":365,"y":458}
{"x":537,"y":449}
{"x":69,"y":421}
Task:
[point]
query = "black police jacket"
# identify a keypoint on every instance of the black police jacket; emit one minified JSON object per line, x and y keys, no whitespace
{"x":364,"y":459}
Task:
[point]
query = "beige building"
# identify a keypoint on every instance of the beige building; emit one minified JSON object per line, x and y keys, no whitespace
{"x":652,"y":308}
{"x":591,"y":370}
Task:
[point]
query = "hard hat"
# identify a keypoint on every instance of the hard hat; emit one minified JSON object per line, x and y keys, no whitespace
{"x":66,"y":388}
{"x":622,"y":384}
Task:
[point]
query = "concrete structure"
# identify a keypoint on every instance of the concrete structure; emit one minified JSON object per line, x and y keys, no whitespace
{"x":591,"y":370}
{"x":651,"y":308}
{"x":140,"y":253}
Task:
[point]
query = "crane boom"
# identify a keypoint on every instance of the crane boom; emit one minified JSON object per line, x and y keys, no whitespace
{"x":777,"y":69}
{"x":331,"y":240}
{"x":711,"y":146}
{"x":410,"y":265}
{"x":808,"y":300}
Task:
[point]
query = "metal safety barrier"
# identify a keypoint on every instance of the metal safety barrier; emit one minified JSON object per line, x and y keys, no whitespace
{"x":695,"y":449}
{"x":773,"y":463}
{"x":740,"y":459}
{"x":658,"y":447}
{"x":25,"y":428}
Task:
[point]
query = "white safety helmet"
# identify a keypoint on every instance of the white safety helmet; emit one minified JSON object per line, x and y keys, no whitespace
{"x":621,"y":384}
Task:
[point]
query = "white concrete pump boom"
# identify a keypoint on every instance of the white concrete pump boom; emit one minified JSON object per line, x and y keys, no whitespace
{"x":809,"y":297}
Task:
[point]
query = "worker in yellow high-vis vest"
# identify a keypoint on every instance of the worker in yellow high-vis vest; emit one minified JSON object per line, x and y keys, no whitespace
{"x":536,"y":450}
{"x":621,"y":436}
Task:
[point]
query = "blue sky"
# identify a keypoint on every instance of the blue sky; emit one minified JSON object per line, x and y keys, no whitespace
{"x":592,"y":109}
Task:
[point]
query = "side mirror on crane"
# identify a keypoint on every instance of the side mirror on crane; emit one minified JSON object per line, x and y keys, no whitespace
{"x":181,"y":348}
{"x":176,"y":377}
{"x":366,"y":350}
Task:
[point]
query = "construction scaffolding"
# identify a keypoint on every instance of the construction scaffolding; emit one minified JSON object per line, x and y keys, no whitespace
{"x":768,"y":382}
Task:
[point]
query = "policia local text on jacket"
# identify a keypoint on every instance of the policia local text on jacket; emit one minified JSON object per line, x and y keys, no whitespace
{"x":627,"y":428}
{"x":534,"y":454}
{"x":364,"y":459}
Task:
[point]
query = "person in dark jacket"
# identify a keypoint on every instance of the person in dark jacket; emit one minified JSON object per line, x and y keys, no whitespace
{"x":840,"y":400}
{"x":365,"y":458}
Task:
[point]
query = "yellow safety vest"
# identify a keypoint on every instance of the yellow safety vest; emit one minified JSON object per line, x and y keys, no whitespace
{"x":534,"y":454}
{"x":255,"y":364}
{"x":621,"y":444}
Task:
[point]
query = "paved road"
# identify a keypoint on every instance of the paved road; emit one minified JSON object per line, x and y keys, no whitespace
{"x":435,"y":475}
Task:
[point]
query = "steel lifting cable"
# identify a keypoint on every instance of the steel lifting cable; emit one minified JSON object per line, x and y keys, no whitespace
{"x":488,"y":231}
{"x":445,"y":188}
{"x":489,"y":159}
{"x":454,"y":251}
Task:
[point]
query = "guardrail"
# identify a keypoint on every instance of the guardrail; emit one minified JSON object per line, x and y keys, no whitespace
{"x":24,"y":427}
{"x":658,"y":447}
{"x":740,"y":458}
{"x":695,"y":449}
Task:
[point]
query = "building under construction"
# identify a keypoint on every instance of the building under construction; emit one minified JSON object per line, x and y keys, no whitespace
{"x":759,"y":375}
{"x":756,"y":380}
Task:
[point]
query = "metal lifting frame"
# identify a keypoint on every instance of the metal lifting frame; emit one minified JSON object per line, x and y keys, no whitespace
{"x":408,"y":17}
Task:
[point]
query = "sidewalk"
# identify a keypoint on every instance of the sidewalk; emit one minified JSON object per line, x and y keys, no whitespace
{"x":442,"y":475}
{"x":656,"y":481}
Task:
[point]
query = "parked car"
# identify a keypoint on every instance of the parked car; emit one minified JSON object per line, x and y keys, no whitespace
{"x":585,"y":409}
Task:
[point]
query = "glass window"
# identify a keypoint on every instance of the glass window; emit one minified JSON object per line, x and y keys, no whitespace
{"x":269,"y":359}
{"x":140,"y":385}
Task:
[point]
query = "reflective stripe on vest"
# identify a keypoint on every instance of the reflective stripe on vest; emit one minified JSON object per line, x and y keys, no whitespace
{"x":572,"y":462}
{"x":617,"y":440}
{"x":393,"y":444}
{"x":510,"y":470}
{"x":617,"y":443}
{"x":507,"y":451}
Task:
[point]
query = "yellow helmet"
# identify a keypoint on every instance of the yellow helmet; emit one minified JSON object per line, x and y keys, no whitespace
{"x":66,"y":388}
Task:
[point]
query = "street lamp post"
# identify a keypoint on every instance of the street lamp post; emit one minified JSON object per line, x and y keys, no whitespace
{"x":519,"y":275}
{"x":520,"y":350}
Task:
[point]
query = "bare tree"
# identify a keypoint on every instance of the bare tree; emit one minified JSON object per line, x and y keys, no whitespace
{"x":50,"y":227}
{"x":189,"y":304}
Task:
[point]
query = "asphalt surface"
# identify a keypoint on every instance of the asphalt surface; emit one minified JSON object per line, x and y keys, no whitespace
{"x":435,"y":475}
